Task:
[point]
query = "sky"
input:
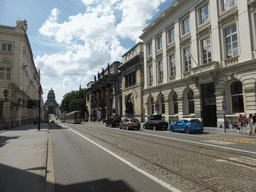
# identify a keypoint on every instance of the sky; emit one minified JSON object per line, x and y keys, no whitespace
{"x":72,"y":40}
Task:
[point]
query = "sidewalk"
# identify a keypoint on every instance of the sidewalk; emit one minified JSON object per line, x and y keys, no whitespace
{"x":23,"y":158}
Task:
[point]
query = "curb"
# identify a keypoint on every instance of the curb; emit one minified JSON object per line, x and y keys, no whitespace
{"x":50,"y":180}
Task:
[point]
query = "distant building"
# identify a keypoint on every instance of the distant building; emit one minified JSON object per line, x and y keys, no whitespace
{"x":51,"y":103}
{"x":19,"y":77}
{"x":104,"y":94}
{"x":132,"y":72}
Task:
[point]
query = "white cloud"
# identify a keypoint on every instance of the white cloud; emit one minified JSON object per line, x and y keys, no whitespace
{"x":89,"y":39}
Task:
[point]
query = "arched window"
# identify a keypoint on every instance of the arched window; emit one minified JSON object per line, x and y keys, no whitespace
{"x":175,"y":103}
{"x":163,"y":104}
{"x":152,"y":105}
{"x":236,"y":89}
{"x":191,"y":108}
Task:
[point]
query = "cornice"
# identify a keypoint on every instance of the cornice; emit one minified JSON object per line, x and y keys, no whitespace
{"x":176,"y":6}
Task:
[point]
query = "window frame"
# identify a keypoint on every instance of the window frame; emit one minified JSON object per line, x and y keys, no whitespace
{"x":200,"y":13}
{"x":202,"y":50}
{"x":5,"y":72}
{"x":160,"y":70}
{"x":172,"y":72}
{"x":231,"y":42}
{"x":184,"y":59}
{"x":150,"y":48}
{"x":159,"y":43}
{"x":186,"y":30}
{"x":191,"y":100}
{"x":150,"y":74}
{"x":171,"y":35}
{"x":240,"y":96}
{"x":223,"y":4}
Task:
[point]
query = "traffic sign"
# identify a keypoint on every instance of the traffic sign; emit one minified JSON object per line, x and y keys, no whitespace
{"x":157,"y":105}
{"x":156,"y":109}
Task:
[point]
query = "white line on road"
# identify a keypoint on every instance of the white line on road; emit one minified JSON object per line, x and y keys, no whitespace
{"x":164,"y":184}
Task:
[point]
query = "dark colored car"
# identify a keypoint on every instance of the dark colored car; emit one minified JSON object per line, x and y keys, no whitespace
{"x":113,"y":121}
{"x":130,"y":123}
{"x":187,"y":126}
{"x":155,"y":122}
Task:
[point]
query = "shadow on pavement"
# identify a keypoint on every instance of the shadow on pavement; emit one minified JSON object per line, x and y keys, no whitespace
{"x":55,"y":126}
{"x":16,"y":180}
{"x":4,"y":139}
{"x":103,"y":185}
{"x":13,"y":179}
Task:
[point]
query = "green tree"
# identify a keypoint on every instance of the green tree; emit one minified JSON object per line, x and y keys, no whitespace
{"x":74,"y":101}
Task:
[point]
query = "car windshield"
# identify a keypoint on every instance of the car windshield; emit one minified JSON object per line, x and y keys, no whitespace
{"x":194,"y":121}
{"x":186,"y":121}
{"x":134,"y":120}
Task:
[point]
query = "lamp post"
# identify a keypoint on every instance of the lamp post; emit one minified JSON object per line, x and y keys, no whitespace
{"x":39,"y":105}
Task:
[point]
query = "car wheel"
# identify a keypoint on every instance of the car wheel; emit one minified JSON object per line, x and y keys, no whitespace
{"x":172,"y":129}
{"x":106,"y":125}
{"x":154,"y":128}
{"x":201,"y":131}
{"x":138,"y":128}
{"x":187,"y":130}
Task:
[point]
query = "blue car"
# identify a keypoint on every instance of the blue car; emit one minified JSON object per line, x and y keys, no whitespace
{"x":187,"y":125}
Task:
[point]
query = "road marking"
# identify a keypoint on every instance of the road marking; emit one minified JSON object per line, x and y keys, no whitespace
{"x":219,"y":142}
{"x":164,"y":184}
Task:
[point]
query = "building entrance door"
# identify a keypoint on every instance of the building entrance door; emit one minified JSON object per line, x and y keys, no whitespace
{"x":208,"y":105}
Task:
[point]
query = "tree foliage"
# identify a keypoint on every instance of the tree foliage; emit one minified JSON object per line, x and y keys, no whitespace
{"x":74,"y":101}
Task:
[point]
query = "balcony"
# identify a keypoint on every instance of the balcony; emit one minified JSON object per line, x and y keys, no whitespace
{"x":212,"y":66}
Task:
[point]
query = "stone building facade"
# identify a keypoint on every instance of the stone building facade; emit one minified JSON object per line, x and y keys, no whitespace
{"x":132,"y":70}
{"x":19,"y":78}
{"x":104,"y":93}
{"x":199,"y":61}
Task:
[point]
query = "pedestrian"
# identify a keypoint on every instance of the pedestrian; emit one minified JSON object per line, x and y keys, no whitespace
{"x":250,"y":123}
{"x":240,"y":122}
{"x":254,"y":121}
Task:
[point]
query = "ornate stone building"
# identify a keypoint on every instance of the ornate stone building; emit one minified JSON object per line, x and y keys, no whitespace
{"x":132,"y":70}
{"x":19,"y":78}
{"x":51,"y":103}
{"x":199,"y":61}
{"x":104,"y":94}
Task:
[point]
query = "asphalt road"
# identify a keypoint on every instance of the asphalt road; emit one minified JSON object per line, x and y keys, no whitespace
{"x":80,"y":165}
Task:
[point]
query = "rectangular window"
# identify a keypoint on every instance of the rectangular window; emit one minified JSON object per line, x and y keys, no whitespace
{"x":206,"y":50}
{"x":171,"y":35}
{"x":227,"y":4}
{"x":126,"y":81}
{"x":151,"y":74}
{"x":204,"y":13}
{"x":3,"y":47}
{"x":187,"y":59}
{"x":231,"y":41}
{"x":134,"y":78}
{"x":5,"y":73}
{"x":9,"y":48}
{"x":150,"y":49}
{"x":159,"y":42}
{"x":172,"y":65}
{"x":185,"y":26}
{"x":160,"y":65}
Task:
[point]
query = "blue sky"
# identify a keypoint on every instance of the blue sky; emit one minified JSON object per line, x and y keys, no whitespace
{"x":72,"y":40}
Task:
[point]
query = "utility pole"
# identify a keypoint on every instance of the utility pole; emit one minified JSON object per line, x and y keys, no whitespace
{"x":39,"y":116}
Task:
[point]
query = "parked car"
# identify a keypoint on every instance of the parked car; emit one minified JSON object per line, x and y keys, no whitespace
{"x":187,"y":125}
{"x":155,"y":122}
{"x":113,"y":121}
{"x":130,"y":123}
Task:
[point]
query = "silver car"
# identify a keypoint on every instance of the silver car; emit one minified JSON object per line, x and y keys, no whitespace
{"x":130,"y":123}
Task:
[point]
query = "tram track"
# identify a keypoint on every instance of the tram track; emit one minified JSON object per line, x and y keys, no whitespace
{"x":119,"y":136}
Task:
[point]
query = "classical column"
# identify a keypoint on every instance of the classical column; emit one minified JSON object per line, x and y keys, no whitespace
{"x":108,"y":102}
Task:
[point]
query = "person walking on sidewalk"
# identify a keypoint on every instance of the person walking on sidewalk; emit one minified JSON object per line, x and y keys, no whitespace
{"x":240,"y":122}
{"x":250,"y":123}
{"x":254,"y":121}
